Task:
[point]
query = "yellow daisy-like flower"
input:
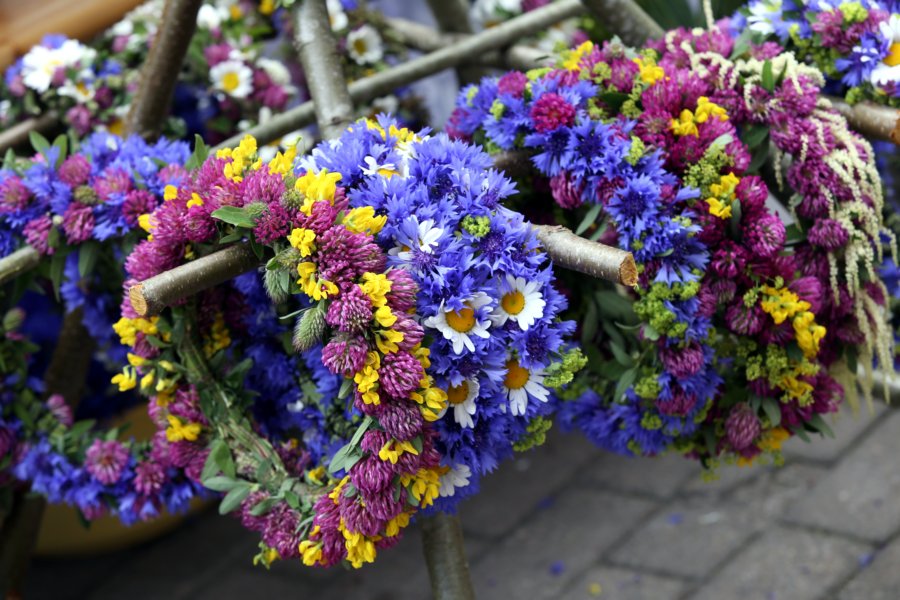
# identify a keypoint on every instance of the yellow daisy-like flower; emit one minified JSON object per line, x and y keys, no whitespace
{"x":363,"y":220}
{"x":302,"y":239}
{"x":178,"y":431}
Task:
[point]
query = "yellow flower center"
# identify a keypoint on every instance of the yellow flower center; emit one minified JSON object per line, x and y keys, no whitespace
{"x":516,"y":375}
{"x":230,"y":81}
{"x":462,"y":321}
{"x":893,"y":57}
{"x":513,"y":302}
{"x":359,"y":45}
{"x":457,"y":394}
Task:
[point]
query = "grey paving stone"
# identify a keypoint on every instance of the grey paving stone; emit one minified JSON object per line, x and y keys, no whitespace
{"x":785,"y":564}
{"x":691,"y":536}
{"x":847,"y":429}
{"x":249,"y":582}
{"x":537,"y":559}
{"x":722,"y":481}
{"x":611,"y":583}
{"x":659,"y":476}
{"x":859,"y":497}
{"x":521,"y":485}
{"x":878,"y":580}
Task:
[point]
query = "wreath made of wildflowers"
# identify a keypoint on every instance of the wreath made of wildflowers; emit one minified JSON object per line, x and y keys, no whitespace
{"x":854,"y":44}
{"x":746,"y":315}
{"x":427,"y":336}
{"x":81,"y":212}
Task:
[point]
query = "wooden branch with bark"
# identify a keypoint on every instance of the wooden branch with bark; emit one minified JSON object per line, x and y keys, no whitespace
{"x":871,"y":120}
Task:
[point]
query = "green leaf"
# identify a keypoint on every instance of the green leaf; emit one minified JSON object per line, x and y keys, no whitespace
{"x":772,"y":410}
{"x":721,"y":141}
{"x":614,"y":100}
{"x":57,"y":270}
{"x":625,"y":382}
{"x":344,"y":458}
{"x":621,"y":356}
{"x":741,"y":44}
{"x":61,"y":142}
{"x":39,"y":142}
{"x":819,"y":424}
{"x":87,"y":258}
{"x":9,"y":159}
{"x":346,"y":387}
{"x":590,"y":323}
{"x":218,"y":461}
{"x":354,"y":441}
{"x":234,"y":216}
{"x":235,"y":236}
{"x":793,"y":234}
{"x":754,"y":135}
{"x":588,"y":219}
{"x":233,"y":499}
{"x":200,"y":154}
{"x":768,"y":78}
{"x":221,"y":483}
{"x":760,"y":154}
{"x":650,"y":333}
{"x":258,"y":249}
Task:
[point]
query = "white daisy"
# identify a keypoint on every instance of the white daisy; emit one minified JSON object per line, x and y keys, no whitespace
{"x":276,"y":71}
{"x":521,"y":383}
{"x":889,"y":69}
{"x":457,"y":477}
{"x":373,"y":168}
{"x":426,"y":234}
{"x":462,"y":398}
{"x":232,"y":77}
{"x":80,"y":89}
{"x":41,"y":63}
{"x":336,"y":15}
{"x":364,"y":45}
{"x":208,"y":17}
{"x":459,"y":326}
{"x":520,"y":301}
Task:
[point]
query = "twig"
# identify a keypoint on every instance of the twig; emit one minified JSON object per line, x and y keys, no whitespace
{"x":871,"y":120}
{"x":153,"y":295}
{"x":21,"y":261}
{"x":419,"y":36}
{"x":452,"y":16}
{"x":591,"y":258}
{"x":379,"y":84}
{"x":150,"y":105}
{"x":445,"y":554}
{"x":17,"y":539}
{"x":322,"y":65}
{"x":626,"y":19}
{"x":18,"y":133}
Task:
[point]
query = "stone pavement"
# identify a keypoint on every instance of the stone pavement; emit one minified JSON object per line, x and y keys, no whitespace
{"x":568,"y":521}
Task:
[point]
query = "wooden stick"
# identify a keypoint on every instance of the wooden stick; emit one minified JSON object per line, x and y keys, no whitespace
{"x":591,"y":258}
{"x":150,"y":105}
{"x":153,"y":295}
{"x":18,"y":133}
{"x":445,"y":554}
{"x":382,"y":83}
{"x":21,"y":261}
{"x":452,"y":16}
{"x":321,"y":61}
{"x":871,"y":120}
{"x":626,"y":19}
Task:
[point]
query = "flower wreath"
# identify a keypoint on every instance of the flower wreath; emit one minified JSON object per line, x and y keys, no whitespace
{"x":741,"y":323}
{"x":81,"y":212}
{"x":435,"y":311}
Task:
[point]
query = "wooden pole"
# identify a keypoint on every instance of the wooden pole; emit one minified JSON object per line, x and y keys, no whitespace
{"x":448,"y":569}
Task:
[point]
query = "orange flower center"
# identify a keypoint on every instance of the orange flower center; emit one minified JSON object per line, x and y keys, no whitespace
{"x":516,"y":375}
{"x":893,"y":57}
{"x":513,"y":302}
{"x":462,"y":321}
{"x":457,"y":394}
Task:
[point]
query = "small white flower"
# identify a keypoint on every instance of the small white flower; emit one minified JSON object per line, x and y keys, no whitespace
{"x":427,"y":237}
{"x":122,"y":28}
{"x":889,"y":69}
{"x":80,"y":89}
{"x":761,"y":13}
{"x":519,"y":383}
{"x":462,"y":399}
{"x":276,"y":71}
{"x":364,"y":45}
{"x":336,"y":15}
{"x":232,"y":77}
{"x":520,"y":301}
{"x":460,"y":326}
{"x":457,"y":477}
{"x":208,"y":17}
{"x":373,"y":168}
{"x":40,"y":64}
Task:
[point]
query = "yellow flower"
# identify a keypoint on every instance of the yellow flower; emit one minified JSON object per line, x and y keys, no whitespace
{"x":726,"y":186}
{"x":178,"y":431}
{"x":385,"y":317}
{"x":283,"y":164}
{"x":393,"y":449}
{"x":195,"y":200}
{"x":717,"y":208}
{"x":363,"y":219}
{"x":170,"y":193}
{"x":316,"y":187}
{"x":126,"y":380}
{"x":136,"y":361}
{"x":771,"y":440}
{"x":394,"y":526}
{"x":147,"y":223}
{"x":375,"y":286}
{"x":684,"y":125}
{"x":360,"y":549}
{"x":311,"y":552}
{"x":650,"y":71}
{"x":797,"y":389}
{"x":809,"y":334}
{"x":147,"y":380}
{"x":387,"y":339}
{"x":573,"y":58}
{"x":782,"y":304}
{"x":302,"y":239}
{"x":707,"y":109}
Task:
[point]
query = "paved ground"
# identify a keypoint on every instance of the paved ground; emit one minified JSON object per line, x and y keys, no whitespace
{"x":567,"y":521}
